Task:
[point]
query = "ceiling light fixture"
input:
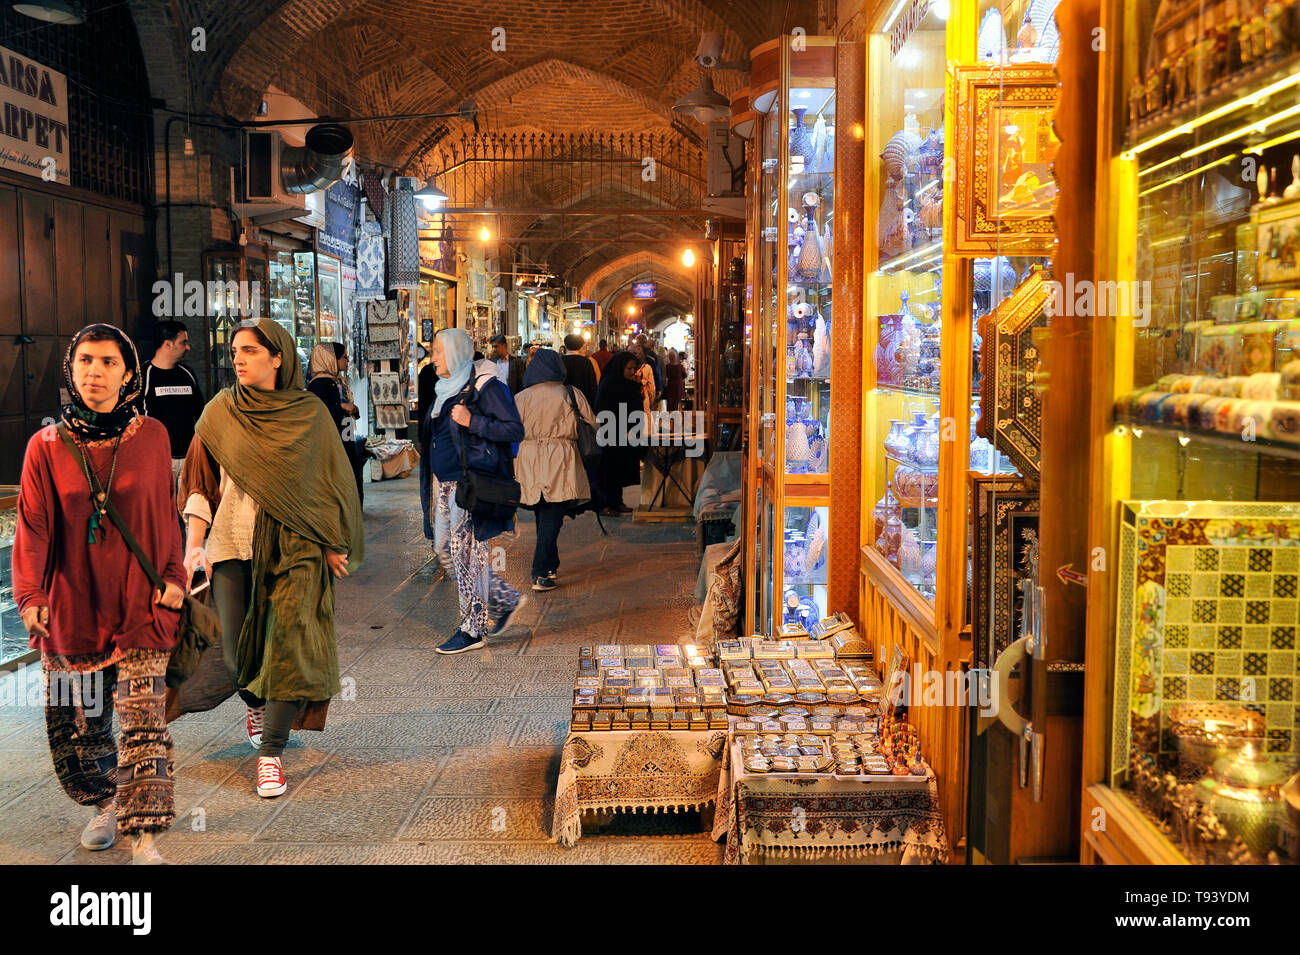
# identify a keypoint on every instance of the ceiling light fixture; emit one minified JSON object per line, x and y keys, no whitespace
{"x":704,"y":103}
{"x":431,"y":195}
{"x":59,"y":12}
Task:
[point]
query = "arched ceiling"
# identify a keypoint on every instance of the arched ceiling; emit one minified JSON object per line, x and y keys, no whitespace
{"x":567,"y":66}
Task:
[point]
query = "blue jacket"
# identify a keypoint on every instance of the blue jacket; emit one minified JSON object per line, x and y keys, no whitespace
{"x":494,"y":428}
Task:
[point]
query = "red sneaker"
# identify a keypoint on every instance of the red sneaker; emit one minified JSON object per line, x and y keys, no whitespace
{"x":253,"y":723}
{"x":270,"y":777}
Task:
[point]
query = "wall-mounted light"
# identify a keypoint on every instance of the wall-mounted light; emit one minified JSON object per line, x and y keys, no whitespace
{"x":485,"y":233}
{"x":688,"y":258}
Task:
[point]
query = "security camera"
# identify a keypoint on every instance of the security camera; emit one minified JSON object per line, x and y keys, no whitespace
{"x":709,"y":52}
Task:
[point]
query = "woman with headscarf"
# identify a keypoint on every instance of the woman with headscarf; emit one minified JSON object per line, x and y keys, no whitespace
{"x":620,"y":410}
{"x":552,"y":479}
{"x":326,"y":380}
{"x":674,"y":381}
{"x":473,"y":418}
{"x":269,"y":485}
{"x":104,"y":632}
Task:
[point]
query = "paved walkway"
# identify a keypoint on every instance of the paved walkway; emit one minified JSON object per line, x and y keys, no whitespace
{"x":438,"y":759}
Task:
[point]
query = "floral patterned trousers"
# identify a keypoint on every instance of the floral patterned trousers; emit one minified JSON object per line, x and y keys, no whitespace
{"x":90,"y":764}
{"x":484,"y":596}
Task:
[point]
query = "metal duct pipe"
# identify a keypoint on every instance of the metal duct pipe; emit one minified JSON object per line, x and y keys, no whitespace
{"x":317,"y":164}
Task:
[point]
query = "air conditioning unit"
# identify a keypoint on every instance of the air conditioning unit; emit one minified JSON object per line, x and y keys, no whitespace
{"x":277,"y":181}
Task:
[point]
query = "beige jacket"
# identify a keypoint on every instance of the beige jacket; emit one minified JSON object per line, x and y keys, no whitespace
{"x":548,"y":462}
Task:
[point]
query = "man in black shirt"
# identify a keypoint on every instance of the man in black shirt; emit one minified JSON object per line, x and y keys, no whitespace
{"x":580,"y":371}
{"x":171,"y":391}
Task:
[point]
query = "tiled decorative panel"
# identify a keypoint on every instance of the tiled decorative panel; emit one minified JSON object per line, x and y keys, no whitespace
{"x":1209,"y":594}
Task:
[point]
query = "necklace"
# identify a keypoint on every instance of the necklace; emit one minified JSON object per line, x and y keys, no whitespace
{"x":98,"y":494}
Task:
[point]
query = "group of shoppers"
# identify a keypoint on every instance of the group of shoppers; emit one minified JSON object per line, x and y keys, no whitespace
{"x":273,"y":513}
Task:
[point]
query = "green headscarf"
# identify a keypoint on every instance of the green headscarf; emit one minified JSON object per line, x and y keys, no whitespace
{"x":282,"y":449}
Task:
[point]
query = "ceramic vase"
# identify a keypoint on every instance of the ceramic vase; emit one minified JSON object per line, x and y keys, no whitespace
{"x":896,"y":443}
{"x":818,"y":145}
{"x":929,"y":564}
{"x":795,"y":551}
{"x":927,"y":446}
{"x":800,"y":141}
{"x":887,"y":370}
{"x":909,"y":555}
{"x":810,"y":253}
{"x":885,"y":508}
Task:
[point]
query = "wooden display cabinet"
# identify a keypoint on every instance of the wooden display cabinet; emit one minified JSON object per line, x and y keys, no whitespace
{"x":804,"y":382}
{"x":1169,"y":644}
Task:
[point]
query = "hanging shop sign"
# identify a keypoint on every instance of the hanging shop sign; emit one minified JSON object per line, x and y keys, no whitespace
{"x":338,"y":238}
{"x":645,"y":290}
{"x":33,"y":119}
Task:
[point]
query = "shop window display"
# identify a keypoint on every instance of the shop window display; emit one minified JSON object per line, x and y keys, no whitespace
{"x":1207,"y":434}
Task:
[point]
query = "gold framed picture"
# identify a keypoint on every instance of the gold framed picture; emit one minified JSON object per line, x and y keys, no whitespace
{"x":1011,"y":403}
{"x":1005,"y":189}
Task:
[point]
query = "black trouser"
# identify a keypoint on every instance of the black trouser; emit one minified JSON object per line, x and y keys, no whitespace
{"x":232,"y":580}
{"x":550,"y":518}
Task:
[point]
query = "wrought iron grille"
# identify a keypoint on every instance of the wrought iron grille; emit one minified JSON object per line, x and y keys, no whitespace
{"x":568,"y":172}
{"x":110,"y":125}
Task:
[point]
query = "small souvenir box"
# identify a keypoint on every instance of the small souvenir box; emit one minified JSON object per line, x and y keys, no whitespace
{"x":833,"y":624}
{"x":587,"y":690}
{"x":659,"y":719}
{"x":697,"y":663}
{"x":678,"y":682}
{"x":639,"y":662}
{"x":814,"y":650}
{"x":773,"y":650}
{"x":821,"y":725}
{"x":792,"y":631}
{"x":745,"y":728}
{"x":689,"y":700}
{"x":640,"y":719}
{"x":665,"y":650}
{"x":709,"y":673}
{"x":602,"y":721}
{"x":688,"y":650}
{"x":792,"y":724}
{"x":732,"y":650}
{"x":717,"y":719}
{"x":609,"y":650}
{"x":586,"y":665}
{"x":618,"y":681}
{"x":698,"y":719}
{"x":587,"y":703}
{"x":580,"y":723}
{"x":586,"y":651}
{"x":770,"y":726}
{"x":609,"y":704}
{"x":609,"y":663}
{"x":660,"y":703}
{"x":620,"y":721}
{"x":635,"y":701}
{"x":638,"y":650}
{"x":663,"y":663}
{"x":680,"y":721}
{"x":848,"y":643}
{"x":748,"y":688}
{"x":586,"y":682}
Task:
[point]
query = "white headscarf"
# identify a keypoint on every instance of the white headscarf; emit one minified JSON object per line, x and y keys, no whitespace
{"x":458,"y":352}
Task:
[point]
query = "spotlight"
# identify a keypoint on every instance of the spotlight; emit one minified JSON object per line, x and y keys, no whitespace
{"x":688,"y":258}
{"x":485,"y":233}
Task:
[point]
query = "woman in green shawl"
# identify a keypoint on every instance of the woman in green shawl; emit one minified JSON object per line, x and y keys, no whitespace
{"x":270,"y":487}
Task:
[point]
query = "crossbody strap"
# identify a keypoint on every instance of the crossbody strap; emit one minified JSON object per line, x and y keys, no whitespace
{"x":116,"y":517}
{"x":577,"y":415}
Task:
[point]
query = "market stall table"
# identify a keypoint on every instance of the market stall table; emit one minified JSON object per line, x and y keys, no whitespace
{"x":798,"y":817}
{"x":635,"y":771}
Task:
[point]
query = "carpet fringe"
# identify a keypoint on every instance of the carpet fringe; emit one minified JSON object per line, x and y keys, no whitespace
{"x":571,"y":831}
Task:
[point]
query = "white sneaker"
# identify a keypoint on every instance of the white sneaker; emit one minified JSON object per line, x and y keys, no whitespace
{"x":270,"y":777}
{"x":253,"y":724}
{"x":101,"y":831}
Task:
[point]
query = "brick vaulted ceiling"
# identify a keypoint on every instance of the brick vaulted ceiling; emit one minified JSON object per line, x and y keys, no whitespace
{"x":569,"y":66}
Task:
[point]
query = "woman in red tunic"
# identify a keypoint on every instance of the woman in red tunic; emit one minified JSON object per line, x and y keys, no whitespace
{"x":104,"y":632}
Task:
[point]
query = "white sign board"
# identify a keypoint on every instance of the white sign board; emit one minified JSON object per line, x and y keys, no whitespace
{"x":33,"y":119}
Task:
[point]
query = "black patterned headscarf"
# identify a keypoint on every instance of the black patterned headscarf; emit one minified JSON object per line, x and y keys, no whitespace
{"x":95,"y":425}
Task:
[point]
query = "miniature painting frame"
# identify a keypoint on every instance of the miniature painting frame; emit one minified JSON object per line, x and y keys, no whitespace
{"x":1005,"y":189}
{"x":1011,"y":406}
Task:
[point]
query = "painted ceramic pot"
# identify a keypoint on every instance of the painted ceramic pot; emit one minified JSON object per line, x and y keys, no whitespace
{"x":896,"y":442}
{"x":794,"y":554}
{"x":926,"y":454}
{"x":915,"y":488}
{"x":929,"y":563}
{"x":885,"y":508}
{"x":909,"y":555}
{"x":893,"y":539}
{"x":887,"y":367}
{"x":800,"y":141}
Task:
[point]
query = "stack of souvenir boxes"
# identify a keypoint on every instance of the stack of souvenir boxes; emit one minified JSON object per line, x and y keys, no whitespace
{"x":640,"y":686}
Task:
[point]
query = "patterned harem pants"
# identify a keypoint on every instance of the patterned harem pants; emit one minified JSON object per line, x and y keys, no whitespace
{"x":484,"y":596}
{"x":92,"y":766}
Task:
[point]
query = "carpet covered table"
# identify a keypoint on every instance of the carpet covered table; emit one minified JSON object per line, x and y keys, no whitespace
{"x":806,"y":816}
{"x":635,"y":771}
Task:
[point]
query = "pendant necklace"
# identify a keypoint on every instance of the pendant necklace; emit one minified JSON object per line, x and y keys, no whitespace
{"x":98,"y":495}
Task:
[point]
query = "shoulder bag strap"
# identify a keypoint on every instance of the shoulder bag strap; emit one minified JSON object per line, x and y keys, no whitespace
{"x":116,"y":517}
{"x":573,"y":403}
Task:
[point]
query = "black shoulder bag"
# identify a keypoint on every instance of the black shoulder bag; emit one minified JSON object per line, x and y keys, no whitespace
{"x":588,"y":449}
{"x":199,"y":626}
{"x":486,"y":496}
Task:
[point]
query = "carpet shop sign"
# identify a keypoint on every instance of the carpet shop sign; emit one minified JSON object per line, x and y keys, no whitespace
{"x":33,"y":119}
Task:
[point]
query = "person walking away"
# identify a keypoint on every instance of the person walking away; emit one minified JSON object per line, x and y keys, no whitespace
{"x":580,"y":371}
{"x":171,"y":392}
{"x":645,"y":375}
{"x":647,"y":354}
{"x":473,"y":418}
{"x":602,"y":356}
{"x":620,"y":432}
{"x":104,"y":632}
{"x":509,"y":368}
{"x":270,"y":487}
{"x":325,"y":372}
{"x":674,"y":381}
{"x":552,"y":478}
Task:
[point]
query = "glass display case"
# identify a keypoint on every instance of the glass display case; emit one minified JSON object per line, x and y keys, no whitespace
{"x":280,"y":269}
{"x":304,"y":303}
{"x":13,"y":635}
{"x":794,"y":87}
{"x":232,"y":297}
{"x":329,"y":291}
{"x":1201,"y":495}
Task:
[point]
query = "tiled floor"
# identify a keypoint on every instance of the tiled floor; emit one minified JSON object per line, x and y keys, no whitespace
{"x":437,"y":759}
